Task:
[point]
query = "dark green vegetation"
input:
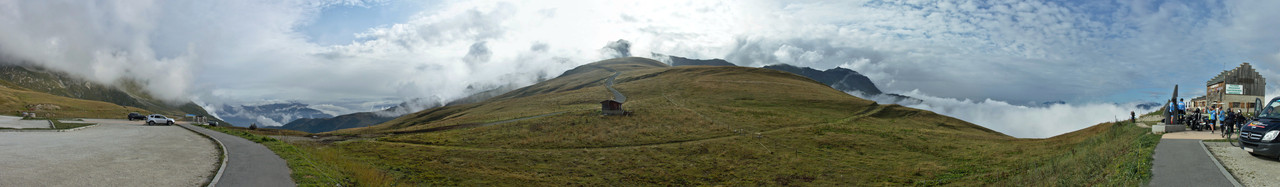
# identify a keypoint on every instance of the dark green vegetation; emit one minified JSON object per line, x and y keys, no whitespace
{"x":129,"y":94}
{"x":316,"y":125}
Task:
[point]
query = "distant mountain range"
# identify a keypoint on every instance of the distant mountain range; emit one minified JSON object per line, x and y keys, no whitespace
{"x":1150,"y":105}
{"x":275,"y":114}
{"x":681,"y":61}
{"x":346,"y":121}
{"x":842,"y":79}
{"x":839,"y":78}
{"x":365,"y":119}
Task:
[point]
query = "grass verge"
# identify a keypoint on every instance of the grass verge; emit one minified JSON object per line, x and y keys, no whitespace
{"x":1120,"y":155}
{"x":60,"y":124}
{"x":314,"y":164}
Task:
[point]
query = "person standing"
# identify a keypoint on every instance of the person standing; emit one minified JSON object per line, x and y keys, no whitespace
{"x":1133,"y":118}
{"x":1182,"y":110}
{"x":1213,"y":118}
{"x":1230,"y":121}
{"x":1197,"y":121}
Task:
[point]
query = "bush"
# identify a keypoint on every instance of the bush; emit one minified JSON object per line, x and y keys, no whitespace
{"x":253,"y":126}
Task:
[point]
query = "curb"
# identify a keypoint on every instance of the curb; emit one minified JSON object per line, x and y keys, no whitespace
{"x":217,"y":176}
{"x":48,"y":130}
{"x":1219,"y":164}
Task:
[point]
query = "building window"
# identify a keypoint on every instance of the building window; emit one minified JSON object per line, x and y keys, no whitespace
{"x":1235,"y":104}
{"x":1251,"y":105}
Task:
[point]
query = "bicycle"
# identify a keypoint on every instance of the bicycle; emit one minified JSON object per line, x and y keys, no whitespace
{"x":1232,"y":134}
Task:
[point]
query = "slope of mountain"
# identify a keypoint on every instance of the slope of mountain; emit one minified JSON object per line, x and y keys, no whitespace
{"x":714,"y":126}
{"x":838,"y":78}
{"x":275,"y":114}
{"x":691,"y":125}
{"x":15,"y":99}
{"x":61,"y":84}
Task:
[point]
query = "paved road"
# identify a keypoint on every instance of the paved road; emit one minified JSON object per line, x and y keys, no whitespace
{"x":1184,"y":162}
{"x":617,"y":96}
{"x":249,"y":163}
{"x":1250,"y":170}
{"x":114,"y":153}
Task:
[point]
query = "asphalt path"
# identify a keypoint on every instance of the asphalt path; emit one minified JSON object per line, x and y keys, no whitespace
{"x":617,"y":96}
{"x":114,"y":153}
{"x":1185,"y":162}
{"x":1250,"y":170}
{"x":249,"y":163}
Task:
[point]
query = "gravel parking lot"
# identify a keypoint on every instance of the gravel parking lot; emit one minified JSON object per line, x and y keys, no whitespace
{"x":115,"y":153}
{"x":15,"y":122}
{"x":1248,"y":169}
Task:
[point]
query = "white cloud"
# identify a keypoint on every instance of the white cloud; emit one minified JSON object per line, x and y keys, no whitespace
{"x":1021,"y":121}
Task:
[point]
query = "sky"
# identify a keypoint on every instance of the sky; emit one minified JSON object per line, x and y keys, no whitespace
{"x":351,"y":55}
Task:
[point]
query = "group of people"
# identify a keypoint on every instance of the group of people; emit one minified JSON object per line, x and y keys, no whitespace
{"x":1214,"y":118}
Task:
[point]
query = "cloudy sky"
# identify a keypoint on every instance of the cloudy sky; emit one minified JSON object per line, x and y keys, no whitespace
{"x":357,"y":54}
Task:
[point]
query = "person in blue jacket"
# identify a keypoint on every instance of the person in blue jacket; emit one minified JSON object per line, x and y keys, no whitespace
{"x":1213,"y":117}
{"x":1182,"y":109}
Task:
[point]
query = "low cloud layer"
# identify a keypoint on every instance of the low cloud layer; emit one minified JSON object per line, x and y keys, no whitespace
{"x":1019,"y":120}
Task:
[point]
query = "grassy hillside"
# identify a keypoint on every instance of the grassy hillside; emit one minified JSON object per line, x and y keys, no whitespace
{"x":62,"y":84}
{"x":14,"y":100}
{"x":702,"y":125}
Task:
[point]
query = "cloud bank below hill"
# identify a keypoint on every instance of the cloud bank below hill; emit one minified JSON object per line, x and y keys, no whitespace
{"x":1016,"y":120}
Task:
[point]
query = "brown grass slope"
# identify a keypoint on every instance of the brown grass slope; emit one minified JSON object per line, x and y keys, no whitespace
{"x":129,"y":93}
{"x":14,"y":99}
{"x":736,"y":126}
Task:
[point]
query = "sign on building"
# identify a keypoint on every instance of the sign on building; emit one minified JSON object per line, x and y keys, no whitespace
{"x":1235,"y":89}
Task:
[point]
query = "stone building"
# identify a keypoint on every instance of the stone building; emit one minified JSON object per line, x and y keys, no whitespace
{"x":1235,"y":89}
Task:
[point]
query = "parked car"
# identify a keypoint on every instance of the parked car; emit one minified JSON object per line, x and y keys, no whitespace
{"x":137,"y":116}
{"x":213,"y":123}
{"x":1258,"y":137}
{"x":154,"y":119}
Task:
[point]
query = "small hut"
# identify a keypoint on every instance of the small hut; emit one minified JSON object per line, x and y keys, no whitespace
{"x":611,"y":107}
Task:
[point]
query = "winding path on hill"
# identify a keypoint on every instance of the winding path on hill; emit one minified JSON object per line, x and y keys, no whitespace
{"x":617,"y":96}
{"x":248,"y":163}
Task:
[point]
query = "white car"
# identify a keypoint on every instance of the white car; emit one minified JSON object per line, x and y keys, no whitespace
{"x":154,"y":119}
